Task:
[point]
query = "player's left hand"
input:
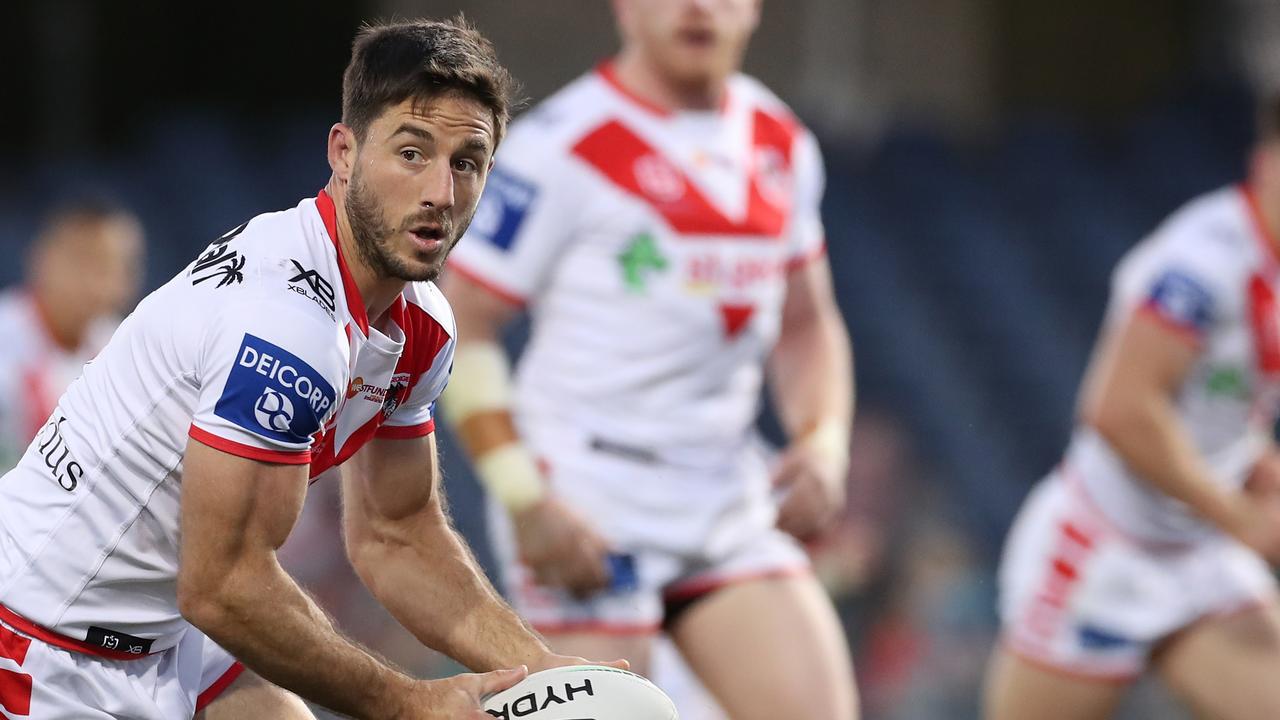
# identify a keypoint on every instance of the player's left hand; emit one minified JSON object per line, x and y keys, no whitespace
{"x":814,"y":490}
{"x":551,"y":660}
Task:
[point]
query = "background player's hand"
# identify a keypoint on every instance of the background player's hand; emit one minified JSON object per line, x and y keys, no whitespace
{"x":458,"y":697}
{"x":551,"y":660}
{"x":813,"y":487}
{"x":1256,"y":523}
{"x":561,"y":548}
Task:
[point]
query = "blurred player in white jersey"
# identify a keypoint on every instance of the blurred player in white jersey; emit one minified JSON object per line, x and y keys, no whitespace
{"x":83,"y":272}
{"x":138,"y":532}
{"x":659,"y":217}
{"x":1148,"y":548}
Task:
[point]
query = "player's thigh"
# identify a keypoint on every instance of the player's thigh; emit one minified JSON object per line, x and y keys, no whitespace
{"x":770,"y":648}
{"x":250,"y":697}
{"x":1228,"y":667}
{"x":1017,"y":689}
{"x":635,"y":648}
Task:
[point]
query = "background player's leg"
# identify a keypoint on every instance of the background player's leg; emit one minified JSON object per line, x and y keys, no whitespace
{"x":1228,"y":667}
{"x":250,"y":697}
{"x":635,"y":647}
{"x":770,"y":648}
{"x":1017,"y":689}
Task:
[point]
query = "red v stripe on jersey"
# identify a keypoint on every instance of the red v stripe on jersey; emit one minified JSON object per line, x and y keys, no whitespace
{"x":636,"y":167}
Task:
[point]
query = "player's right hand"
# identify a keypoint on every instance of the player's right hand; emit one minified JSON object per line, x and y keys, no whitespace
{"x":561,"y":549}
{"x":1257,"y":524}
{"x":459,"y":697}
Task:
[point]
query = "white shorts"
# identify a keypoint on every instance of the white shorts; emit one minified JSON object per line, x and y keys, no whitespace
{"x":1080,"y":597}
{"x":46,"y":682}
{"x":679,"y":533}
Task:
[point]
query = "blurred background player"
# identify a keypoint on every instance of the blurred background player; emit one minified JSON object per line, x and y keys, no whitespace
{"x":1148,"y":547}
{"x":83,"y":272}
{"x":660,"y":219}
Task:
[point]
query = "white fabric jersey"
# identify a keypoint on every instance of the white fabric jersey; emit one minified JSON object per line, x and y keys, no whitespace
{"x":1211,"y":273}
{"x":260,"y":348}
{"x":34,"y":370}
{"x":652,"y":248}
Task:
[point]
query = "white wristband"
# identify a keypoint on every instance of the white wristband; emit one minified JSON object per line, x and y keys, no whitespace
{"x":510,"y":473}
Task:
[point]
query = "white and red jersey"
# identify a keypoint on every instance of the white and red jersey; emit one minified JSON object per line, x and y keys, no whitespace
{"x":652,"y":249}
{"x":35,"y":369}
{"x":1211,"y":273}
{"x":260,"y":348}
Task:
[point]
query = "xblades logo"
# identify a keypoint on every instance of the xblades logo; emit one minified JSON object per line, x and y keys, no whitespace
{"x":323,"y":296}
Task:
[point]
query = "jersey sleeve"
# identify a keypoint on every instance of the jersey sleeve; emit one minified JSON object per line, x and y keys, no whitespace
{"x":415,"y":417}
{"x":267,"y":382}
{"x":522,"y":221}
{"x":1186,"y":283}
{"x":807,"y":236}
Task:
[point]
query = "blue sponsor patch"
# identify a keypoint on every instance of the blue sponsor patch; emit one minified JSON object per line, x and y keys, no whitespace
{"x":1183,"y":300}
{"x":271,"y":392}
{"x":503,"y":206}
{"x":1096,"y":638}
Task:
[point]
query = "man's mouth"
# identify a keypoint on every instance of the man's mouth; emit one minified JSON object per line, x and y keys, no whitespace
{"x":427,"y":237}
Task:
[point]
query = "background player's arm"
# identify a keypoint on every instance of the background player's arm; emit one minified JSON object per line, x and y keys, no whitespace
{"x":236,"y":513}
{"x":811,"y":377}
{"x":1130,"y":399}
{"x":560,"y":548}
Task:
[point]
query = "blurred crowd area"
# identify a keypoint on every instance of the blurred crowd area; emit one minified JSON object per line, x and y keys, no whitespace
{"x":987,"y":162}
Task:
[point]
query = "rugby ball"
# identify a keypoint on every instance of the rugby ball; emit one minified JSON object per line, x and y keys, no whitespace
{"x":582,"y":692}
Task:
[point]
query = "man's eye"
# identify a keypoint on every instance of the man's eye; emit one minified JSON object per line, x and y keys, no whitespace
{"x":411,"y":155}
{"x":465,"y":165}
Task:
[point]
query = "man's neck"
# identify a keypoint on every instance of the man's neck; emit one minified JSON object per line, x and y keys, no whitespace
{"x":376,"y":292}
{"x":642,"y":77}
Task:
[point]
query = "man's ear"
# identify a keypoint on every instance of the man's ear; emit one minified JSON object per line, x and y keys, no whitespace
{"x":342,"y":151}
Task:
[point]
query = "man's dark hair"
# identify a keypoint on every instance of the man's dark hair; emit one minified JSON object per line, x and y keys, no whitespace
{"x":421,"y":59}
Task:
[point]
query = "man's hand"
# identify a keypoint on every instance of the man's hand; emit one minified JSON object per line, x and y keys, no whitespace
{"x":814,"y":489}
{"x":561,"y":548}
{"x":1256,"y":523}
{"x":457,"y":698}
{"x":551,"y":660}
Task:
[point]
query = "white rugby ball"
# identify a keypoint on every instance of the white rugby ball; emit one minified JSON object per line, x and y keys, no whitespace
{"x":582,"y":692}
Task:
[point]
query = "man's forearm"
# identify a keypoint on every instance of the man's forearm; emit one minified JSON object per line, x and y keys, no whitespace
{"x":266,"y":621}
{"x":811,"y":373}
{"x":1150,"y":439}
{"x":434,"y":587}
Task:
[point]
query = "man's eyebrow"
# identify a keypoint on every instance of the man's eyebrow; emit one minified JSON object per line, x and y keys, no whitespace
{"x":476,"y":144}
{"x":412,"y":130}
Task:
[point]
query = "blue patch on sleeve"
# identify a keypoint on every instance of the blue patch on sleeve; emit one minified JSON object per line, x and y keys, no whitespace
{"x":503,"y":206}
{"x":271,"y":392}
{"x":1183,"y":300}
{"x":1096,"y":638}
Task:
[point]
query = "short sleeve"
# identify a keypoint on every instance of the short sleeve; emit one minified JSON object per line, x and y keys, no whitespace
{"x":267,"y":382}
{"x":522,"y":221}
{"x":1189,"y":284}
{"x":415,"y":416}
{"x":807,"y":236}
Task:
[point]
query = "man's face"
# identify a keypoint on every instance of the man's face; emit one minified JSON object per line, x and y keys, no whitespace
{"x":691,"y":41}
{"x":96,"y":263}
{"x":417,"y":178}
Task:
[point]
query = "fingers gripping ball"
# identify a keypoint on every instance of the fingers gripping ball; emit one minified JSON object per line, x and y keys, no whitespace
{"x":578,"y":692}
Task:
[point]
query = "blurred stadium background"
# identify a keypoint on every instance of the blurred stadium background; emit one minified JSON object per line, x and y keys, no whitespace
{"x":988,"y":162}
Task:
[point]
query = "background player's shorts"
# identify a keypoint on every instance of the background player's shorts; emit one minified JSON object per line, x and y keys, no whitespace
{"x":39,"y":680}
{"x":679,"y":533}
{"x":1078,"y":596}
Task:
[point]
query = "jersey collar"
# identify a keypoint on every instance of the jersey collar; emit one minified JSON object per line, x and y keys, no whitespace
{"x":609,"y":74}
{"x":1270,"y":245}
{"x":355,"y":304}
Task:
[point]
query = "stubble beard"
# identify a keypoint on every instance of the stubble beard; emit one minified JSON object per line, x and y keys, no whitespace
{"x":374,"y":238}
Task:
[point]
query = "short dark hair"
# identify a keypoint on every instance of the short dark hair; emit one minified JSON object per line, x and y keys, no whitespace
{"x":421,"y":59}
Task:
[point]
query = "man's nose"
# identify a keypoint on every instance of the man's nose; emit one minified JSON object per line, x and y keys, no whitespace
{"x":437,"y":186}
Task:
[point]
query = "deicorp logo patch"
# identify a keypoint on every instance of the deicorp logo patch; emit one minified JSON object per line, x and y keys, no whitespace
{"x":274,"y":393}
